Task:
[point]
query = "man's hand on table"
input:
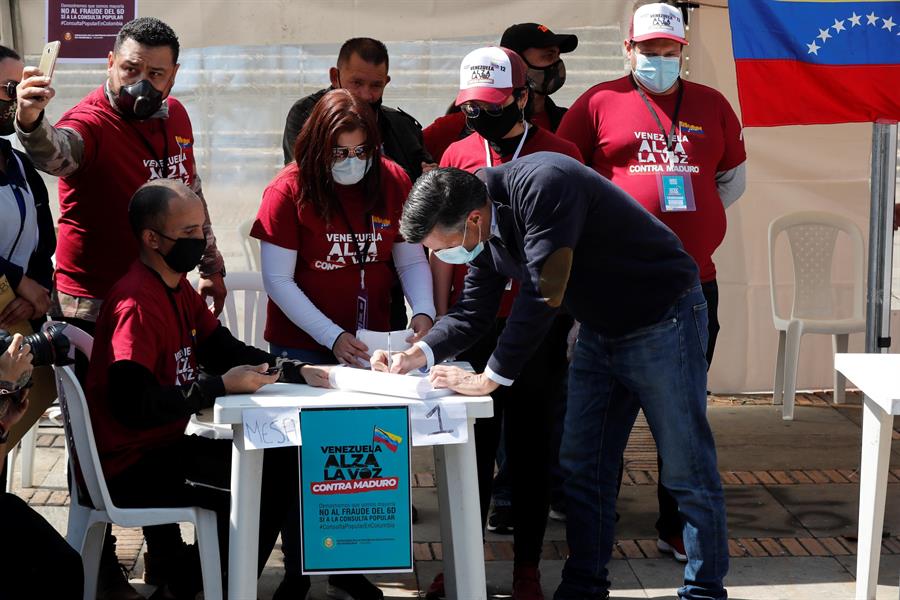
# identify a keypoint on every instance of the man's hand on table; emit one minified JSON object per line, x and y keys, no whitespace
{"x":246,"y":379}
{"x":316,"y":375}
{"x":461,"y":381}
{"x":400,"y":362}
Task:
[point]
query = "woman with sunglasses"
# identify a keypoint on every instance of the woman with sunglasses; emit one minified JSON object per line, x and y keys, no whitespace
{"x":328,"y":225}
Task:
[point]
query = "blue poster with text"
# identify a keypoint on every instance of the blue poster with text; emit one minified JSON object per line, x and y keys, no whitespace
{"x":355,"y":490}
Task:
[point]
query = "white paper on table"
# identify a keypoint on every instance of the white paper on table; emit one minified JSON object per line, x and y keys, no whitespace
{"x":436,"y":424}
{"x":393,"y":341}
{"x":387,"y":384}
{"x":271,"y":427}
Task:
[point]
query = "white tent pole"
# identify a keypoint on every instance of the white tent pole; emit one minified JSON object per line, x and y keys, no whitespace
{"x":881,"y":233}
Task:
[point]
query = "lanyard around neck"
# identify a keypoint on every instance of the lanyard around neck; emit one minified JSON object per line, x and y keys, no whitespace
{"x":488,"y":161}
{"x":362,"y":249}
{"x":670,"y":138}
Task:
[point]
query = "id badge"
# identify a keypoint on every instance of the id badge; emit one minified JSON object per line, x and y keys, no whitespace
{"x":675,"y":192}
{"x":362,"y":310}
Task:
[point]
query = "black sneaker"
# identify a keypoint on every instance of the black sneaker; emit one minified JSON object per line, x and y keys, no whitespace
{"x":292,"y":587}
{"x":352,"y":587}
{"x":500,"y":521}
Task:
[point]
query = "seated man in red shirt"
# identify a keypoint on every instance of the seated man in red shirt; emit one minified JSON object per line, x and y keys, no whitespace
{"x":160,"y":356}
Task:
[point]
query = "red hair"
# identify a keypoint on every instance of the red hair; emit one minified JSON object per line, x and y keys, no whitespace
{"x":335,"y":113}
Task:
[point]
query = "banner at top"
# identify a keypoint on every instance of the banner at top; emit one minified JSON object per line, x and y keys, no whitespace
{"x":804,"y":62}
{"x":87,"y":30}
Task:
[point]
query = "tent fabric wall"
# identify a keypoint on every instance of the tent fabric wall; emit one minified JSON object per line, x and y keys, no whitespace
{"x":254,"y":57}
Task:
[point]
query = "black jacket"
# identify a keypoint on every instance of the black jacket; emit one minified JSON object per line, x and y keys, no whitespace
{"x":400,"y":133}
{"x":571,"y":238}
{"x":40,"y":266}
{"x":554,"y":113}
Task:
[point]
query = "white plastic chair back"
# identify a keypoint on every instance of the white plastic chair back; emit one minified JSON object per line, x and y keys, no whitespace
{"x":78,"y":421}
{"x":244,"y":313}
{"x":812,"y":236}
{"x":250,"y":246}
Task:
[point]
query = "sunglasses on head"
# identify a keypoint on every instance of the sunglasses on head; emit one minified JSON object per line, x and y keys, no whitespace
{"x":342,"y":152}
{"x":9,"y":88}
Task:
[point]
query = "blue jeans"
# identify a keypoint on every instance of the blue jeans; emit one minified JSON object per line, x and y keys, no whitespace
{"x":662,"y":370}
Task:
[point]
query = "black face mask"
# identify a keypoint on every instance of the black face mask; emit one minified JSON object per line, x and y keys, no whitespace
{"x":494,"y":128}
{"x":185,"y":254}
{"x":139,"y":100}
{"x":548,"y":79}
{"x":7,"y":117}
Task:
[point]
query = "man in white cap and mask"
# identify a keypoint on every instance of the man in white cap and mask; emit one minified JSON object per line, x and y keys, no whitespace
{"x":677,"y":148}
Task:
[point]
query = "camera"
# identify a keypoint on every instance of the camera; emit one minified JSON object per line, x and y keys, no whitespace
{"x":48,"y":346}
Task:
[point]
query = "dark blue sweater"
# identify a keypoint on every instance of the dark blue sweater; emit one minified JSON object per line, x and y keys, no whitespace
{"x":570,"y":237}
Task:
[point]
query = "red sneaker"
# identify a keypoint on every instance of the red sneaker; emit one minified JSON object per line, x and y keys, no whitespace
{"x":673,"y":545}
{"x":527,"y":583}
{"x":436,"y":589}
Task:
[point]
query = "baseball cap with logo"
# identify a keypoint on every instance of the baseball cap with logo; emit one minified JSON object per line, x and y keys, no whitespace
{"x":523,"y":36}
{"x":490,"y":75}
{"x":656,"y":21}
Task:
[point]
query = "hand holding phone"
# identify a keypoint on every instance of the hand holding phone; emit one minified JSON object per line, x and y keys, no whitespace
{"x":34,"y":91}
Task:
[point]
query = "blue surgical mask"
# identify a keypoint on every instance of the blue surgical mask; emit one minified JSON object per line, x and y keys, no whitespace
{"x":349,"y":171}
{"x":458,"y":255}
{"x":656,"y":73}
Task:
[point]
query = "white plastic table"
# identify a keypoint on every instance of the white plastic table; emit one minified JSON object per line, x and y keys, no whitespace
{"x":878,"y":376}
{"x":455,"y":468}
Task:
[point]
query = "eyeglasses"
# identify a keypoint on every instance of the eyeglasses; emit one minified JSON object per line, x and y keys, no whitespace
{"x":470,"y":109}
{"x":9,"y":88}
{"x":342,"y":152}
{"x":473,"y":110}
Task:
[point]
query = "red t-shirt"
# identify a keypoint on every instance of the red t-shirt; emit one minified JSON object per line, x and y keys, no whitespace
{"x":469,"y":155}
{"x":444,"y":131}
{"x":95,"y":245}
{"x":621,"y":140}
{"x":142,"y":320}
{"x":328,"y":269}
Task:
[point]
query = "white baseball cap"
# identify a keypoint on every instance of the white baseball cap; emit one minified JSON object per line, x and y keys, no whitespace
{"x":657,"y":21}
{"x":490,"y":74}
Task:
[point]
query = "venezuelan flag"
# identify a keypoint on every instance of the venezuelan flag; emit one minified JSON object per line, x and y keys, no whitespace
{"x":803,"y":62}
{"x":391,"y":440}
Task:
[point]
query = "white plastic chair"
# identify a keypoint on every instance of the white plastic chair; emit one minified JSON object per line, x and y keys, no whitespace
{"x":812,"y":236}
{"x":87,"y":525}
{"x":250,"y":246}
{"x":247,"y":293}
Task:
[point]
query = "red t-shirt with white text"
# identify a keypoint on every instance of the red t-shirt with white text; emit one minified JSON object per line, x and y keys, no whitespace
{"x":144,"y":321}
{"x":96,"y":246}
{"x":618,"y":136}
{"x":328,"y":269}
{"x":469,"y":155}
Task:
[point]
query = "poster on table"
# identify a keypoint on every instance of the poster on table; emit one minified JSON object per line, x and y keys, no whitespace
{"x":355,"y":490}
{"x":87,"y":30}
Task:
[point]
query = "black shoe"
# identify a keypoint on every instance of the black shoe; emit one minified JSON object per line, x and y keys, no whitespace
{"x":500,"y":521}
{"x":184,"y":574}
{"x":161,"y":563}
{"x":558,"y":512}
{"x":415,"y":514}
{"x":352,"y":587}
{"x":292,"y":587}
{"x":112,"y":583}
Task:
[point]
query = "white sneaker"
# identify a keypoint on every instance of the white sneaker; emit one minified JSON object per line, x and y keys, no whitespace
{"x":673,"y":549}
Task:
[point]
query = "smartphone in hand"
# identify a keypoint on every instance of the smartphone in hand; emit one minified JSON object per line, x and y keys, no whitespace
{"x":48,"y":58}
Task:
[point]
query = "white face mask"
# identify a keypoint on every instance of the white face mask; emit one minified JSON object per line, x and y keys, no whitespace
{"x":656,"y":73}
{"x":349,"y":171}
{"x":458,"y":255}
